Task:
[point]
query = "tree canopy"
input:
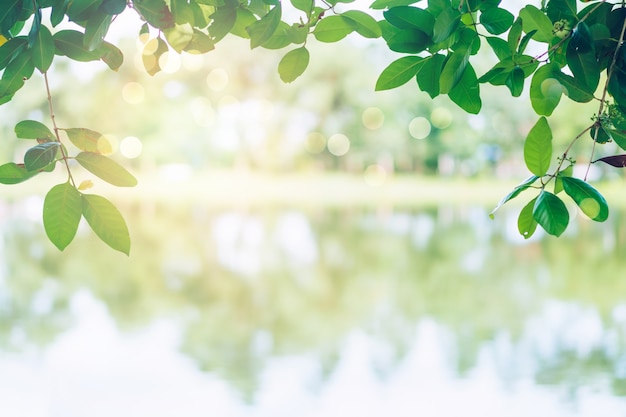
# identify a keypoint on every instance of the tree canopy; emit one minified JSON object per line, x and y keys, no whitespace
{"x":553,"y":49}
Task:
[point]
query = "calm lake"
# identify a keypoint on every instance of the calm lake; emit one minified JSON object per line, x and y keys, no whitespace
{"x":432,"y":312}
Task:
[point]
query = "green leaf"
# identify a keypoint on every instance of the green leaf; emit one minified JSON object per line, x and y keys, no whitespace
{"x":619,"y":137}
{"x":409,"y":41}
{"x":573,"y":87}
{"x":42,"y":52}
{"x":515,"y":81}
{"x":561,"y":9}
{"x":500,"y":47}
{"x":466,"y":93}
{"x":332,"y":29}
{"x":10,"y":49}
{"x":151,"y":61}
{"x":538,"y":148}
{"x":179,"y":36}
{"x":96,"y":29}
{"x":263,"y":29}
{"x":551,"y":214}
{"x":40,"y":156}
{"x":17,"y":71}
{"x":70,"y":43}
{"x":590,"y":201}
{"x":12,"y":173}
{"x":428,"y":76}
{"x":383,"y":4}
{"x":304,"y":5}
{"x":293,"y":64}
{"x":446,"y":23}
{"x":516,"y":191}
{"x":106,"y":169}
{"x":223,"y":21}
{"x":113,"y":7}
{"x":106,"y":221}
{"x":399,"y":72}
{"x":584,"y":65}
{"x":111,"y":55}
{"x":155,"y":12}
{"x":406,"y":17}
{"x":62,"y":209}
{"x":545,"y":91}
{"x":244,"y":18}
{"x":75,"y":8}
{"x":89,"y":140}
{"x":526,"y":223}
{"x":453,"y":69}
{"x":31,"y":129}
{"x":9,"y":14}
{"x":496,"y":20}
{"x":535,"y":19}
{"x":200,"y":43}
{"x":364,"y":24}
{"x":515,"y":35}
{"x":558,"y":181}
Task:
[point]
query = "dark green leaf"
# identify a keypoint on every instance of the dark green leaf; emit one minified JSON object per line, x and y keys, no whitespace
{"x":573,"y":87}
{"x":428,"y":76}
{"x":70,"y":43}
{"x":538,"y":148}
{"x":446,"y":23}
{"x":31,"y":129}
{"x":526,"y":223}
{"x":9,"y":14}
{"x":96,"y":29}
{"x":106,"y":169}
{"x":515,"y":81}
{"x":453,"y":69}
{"x":590,"y":201}
{"x":10,"y":49}
{"x":406,"y":17}
{"x":12,"y":173}
{"x":17,"y":71}
{"x":516,"y":191}
{"x":261,"y":30}
{"x":40,"y":156}
{"x":409,"y":41}
{"x":496,"y":20}
{"x":106,"y":221}
{"x":76,"y":8}
{"x":561,"y":9}
{"x":62,"y":209}
{"x":293,"y":64}
{"x":42,"y":52}
{"x":113,"y":7}
{"x":466,"y":93}
{"x":584,"y":66}
{"x":551,"y":214}
{"x":399,"y":72}
{"x":515,"y":35}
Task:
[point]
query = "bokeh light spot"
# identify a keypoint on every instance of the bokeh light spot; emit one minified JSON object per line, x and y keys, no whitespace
{"x":373,"y":118}
{"x":375,"y":175}
{"x":131,"y":147}
{"x":441,"y":118}
{"x":419,"y":128}
{"x":217,"y":80}
{"x":133,"y":92}
{"x":202,"y":112}
{"x":169,"y":62}
{"x":315,"y":142}
{"x":590,"y":207}
{"x":338,"y":144}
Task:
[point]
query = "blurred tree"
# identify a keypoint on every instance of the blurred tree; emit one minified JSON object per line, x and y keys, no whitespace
{"x":440,"y":42}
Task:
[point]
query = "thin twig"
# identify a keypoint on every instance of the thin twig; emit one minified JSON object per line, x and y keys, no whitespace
{"x":56,"y":129}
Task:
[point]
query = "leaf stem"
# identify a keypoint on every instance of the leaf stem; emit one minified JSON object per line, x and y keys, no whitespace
{"x":56,"y":130}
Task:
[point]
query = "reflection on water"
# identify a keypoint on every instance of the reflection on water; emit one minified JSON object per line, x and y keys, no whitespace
{"x":344,"y":312}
